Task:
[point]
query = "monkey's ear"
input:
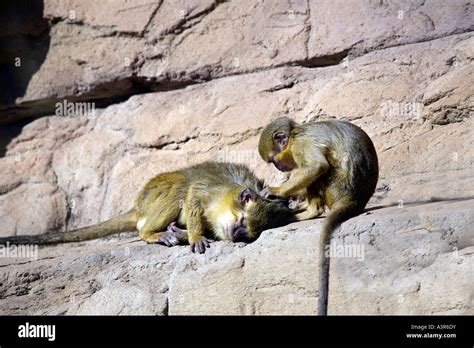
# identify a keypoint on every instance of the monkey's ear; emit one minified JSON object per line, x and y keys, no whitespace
{"x":246,"y":195}
{"x":281,"y":139}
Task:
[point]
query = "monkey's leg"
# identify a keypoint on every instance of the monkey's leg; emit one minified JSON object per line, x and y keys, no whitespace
{"x":314,"y":204}
{"x":148,"y":232}
{"x":315,"y":207}
{"x":300,"y":207}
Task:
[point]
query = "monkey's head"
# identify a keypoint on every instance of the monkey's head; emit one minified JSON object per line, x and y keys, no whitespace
{"x":259,"y":214}
{"x":274,"y":141}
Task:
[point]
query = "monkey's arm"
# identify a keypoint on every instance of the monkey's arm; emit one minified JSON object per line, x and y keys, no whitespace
{"x":311,"y":166}
{"x":195,"y":221}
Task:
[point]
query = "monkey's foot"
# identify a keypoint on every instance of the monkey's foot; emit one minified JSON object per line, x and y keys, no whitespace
{"x":308,"y":214}
{"x":179,"y":233}
{"x":168,"y":239}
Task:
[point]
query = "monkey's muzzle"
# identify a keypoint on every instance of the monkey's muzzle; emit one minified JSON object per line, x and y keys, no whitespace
{"x":237,"y":234}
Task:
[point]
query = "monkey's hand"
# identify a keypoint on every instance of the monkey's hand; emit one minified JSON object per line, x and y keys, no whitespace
{"x":199,"y":244}
{"x":270,"y":191}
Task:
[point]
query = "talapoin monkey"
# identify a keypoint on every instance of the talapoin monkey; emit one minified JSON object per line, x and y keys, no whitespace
{"x":212,"y":200}
{"x":333,"y":163}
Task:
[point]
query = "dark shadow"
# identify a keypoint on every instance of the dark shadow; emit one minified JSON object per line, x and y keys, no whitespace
{"x":427,"y":201}
{"x":24,"y":43}
{"x":8,"y":132}
{"x":406,"y":204}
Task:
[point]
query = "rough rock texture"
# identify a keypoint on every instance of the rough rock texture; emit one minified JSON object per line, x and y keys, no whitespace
{"x":112,"y":50}
{"x":176,"y":83}
{"x":413,"y":260}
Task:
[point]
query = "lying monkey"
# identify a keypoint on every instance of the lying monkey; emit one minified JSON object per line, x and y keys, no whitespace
{"x":334,"y":163}
{"x":212,"y":200}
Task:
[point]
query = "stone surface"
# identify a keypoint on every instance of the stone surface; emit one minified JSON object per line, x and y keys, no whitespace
{"x":116,"y":49}
{"x":177,"y":83}
{"x":412,"y":260}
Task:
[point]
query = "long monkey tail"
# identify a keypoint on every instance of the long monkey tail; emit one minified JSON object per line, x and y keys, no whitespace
{"x":340,"y":213}
{"x":122,"y":223}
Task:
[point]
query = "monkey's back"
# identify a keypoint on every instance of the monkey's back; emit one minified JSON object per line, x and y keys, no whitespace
{"x":352,"y":158}
{"x":207,"y":176}
{"x":166,"y":193}
{"x":223,"y":173}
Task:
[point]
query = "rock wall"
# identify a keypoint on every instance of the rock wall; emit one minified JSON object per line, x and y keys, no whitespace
{"x":177,"y":82}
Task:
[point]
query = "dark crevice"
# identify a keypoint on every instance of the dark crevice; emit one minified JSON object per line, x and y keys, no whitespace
{"x":450,"y":114}
{"x":287,"y":85}
{"x":161,"y":146}
{"x":324,"y":61}
{"x":102,"y":95}
{"x":166,"y":310}
{"x":16,"y":264}
{"x":422,"y":202}
{"x":356,"y":52}
{"x":107,"y":30}
{"x":191,"y":21}
{"x":152,"y":16}
{"x":8,"y":133}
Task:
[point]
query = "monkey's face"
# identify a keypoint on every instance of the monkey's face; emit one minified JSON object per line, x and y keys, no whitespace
{"x":273,"y":144}
{"x":279,"y":144}
{"x":258,"y":214}
{"x":238,"y":230}
{"x":281,"y":155}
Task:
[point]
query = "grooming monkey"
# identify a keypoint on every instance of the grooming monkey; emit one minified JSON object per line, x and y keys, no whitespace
{"x":333,"y":163}
{"x":211,"y":200}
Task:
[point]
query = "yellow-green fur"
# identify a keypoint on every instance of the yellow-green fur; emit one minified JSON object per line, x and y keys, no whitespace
{"x":335,"y":162}
{"x":203,"y":198}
